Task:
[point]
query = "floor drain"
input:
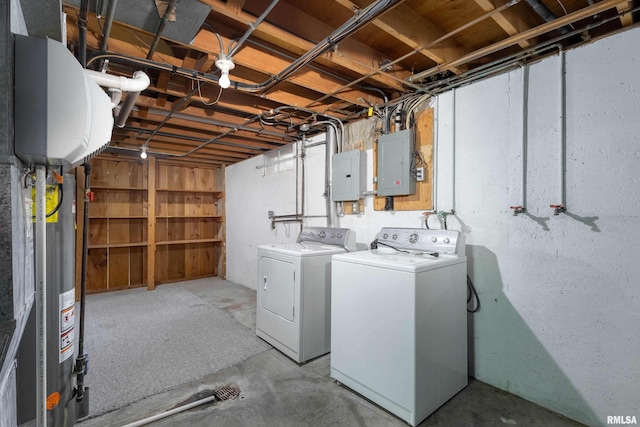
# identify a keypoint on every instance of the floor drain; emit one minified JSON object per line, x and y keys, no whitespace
{"x":227,"y":392}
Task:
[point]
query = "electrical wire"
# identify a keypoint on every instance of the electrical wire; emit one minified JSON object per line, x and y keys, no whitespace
{"x":208,"y":104}
{"x":472,"y":293}
{"x":376,"y":242}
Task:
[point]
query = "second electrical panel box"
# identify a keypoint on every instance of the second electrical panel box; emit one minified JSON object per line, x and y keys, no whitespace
{"x":348,"y":176}
{"x":395,"y":151}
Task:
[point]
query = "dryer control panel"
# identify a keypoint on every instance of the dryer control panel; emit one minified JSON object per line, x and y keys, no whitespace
{"x":446,"y":242}
{"x":342,"y":237}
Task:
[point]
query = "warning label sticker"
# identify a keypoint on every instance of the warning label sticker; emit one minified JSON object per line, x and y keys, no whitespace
{"x":67,"y":324}
{"x":51,"y":203}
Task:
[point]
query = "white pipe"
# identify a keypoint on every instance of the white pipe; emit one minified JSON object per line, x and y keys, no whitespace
{"x":563,"y":130}
{"x":41,"y":298}
{"x":525,"y":134}
{"x":453,"y":156}
{"x":139,"y":82}
{"x":332,"y":214}
{"x":435,"y":153}
{"x":174,"y":411}
{"x":116,"y":96}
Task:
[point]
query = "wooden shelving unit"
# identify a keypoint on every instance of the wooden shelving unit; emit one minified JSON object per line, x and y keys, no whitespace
{"x":188,"y":222}
{"x":117,"y":251}
{"x":151,"y":222}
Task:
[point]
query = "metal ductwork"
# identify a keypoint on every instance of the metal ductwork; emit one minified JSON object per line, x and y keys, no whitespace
{"x":545,"y":13}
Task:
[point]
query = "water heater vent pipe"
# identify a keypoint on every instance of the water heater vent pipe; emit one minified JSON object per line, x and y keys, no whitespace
{"x":134,"y":86}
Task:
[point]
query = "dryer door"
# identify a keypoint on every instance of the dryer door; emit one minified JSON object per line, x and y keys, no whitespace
{"x":277,"y":287}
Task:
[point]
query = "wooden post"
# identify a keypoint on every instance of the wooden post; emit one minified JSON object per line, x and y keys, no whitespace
{"x":151,"y":223}
{"x":222,"y":270}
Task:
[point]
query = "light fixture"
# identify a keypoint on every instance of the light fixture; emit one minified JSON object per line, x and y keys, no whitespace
{"x":143,"y":153}
{"x":224,"y":64}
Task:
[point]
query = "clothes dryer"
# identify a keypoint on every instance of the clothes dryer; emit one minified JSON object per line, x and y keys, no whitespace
{"x":294,"y":291}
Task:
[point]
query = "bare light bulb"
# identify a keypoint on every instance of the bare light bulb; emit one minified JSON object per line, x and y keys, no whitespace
{"x":143,"y":153}
{"x":224,"y":81}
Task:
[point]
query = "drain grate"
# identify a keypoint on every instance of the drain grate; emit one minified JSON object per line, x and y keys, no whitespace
{"x":227,"y":392}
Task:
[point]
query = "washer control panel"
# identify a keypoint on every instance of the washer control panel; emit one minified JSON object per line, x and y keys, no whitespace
{"x":342,"y":237}
{"x":447,"y":242}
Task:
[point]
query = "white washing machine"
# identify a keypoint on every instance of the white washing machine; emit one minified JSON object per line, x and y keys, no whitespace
{"x":399,"y":320}
{"x":294,"y":291}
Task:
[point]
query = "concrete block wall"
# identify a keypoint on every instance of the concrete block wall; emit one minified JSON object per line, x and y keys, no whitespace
{"x":560,"y":295}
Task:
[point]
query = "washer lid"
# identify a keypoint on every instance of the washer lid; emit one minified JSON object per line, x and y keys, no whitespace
{"x":303,"y":249}
{"x":394,"y":260}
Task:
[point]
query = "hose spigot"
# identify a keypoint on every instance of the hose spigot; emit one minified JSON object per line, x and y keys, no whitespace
{"x":517,"y":210}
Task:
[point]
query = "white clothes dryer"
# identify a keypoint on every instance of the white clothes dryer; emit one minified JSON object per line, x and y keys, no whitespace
{"x":399,"y":320}
{"x":294,"y":291}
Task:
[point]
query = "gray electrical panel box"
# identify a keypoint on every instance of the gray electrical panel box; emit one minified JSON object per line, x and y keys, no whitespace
{"x":395,"y":152}
{"x":348,"y":175}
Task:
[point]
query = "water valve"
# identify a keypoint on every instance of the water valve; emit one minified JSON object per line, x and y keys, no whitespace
{"x":517,"y":210}
{"x":557,"y":209}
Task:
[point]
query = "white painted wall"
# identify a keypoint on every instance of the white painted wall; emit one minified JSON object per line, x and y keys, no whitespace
{"x":560,"y":294}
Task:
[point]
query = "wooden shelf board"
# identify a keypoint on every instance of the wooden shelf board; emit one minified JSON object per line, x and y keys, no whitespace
{"x":118,"y":245}
{"x":174,"y":190}
{"x":186,"y":242}
{"x":189,"y":216}
{"x":105,"y":187}
{"x":119,"y":217}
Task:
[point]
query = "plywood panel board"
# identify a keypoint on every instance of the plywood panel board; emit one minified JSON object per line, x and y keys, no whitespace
{"x":423,"y":198}
{"x":100,"y":204}
{"x":207,"y":259}
{"x":123,"y":203}
{"x":138,"y":257}
{"x":119,"y":174}
{"x":97,"y":231}
{"x":138,"y":174}
{"x":176,"y":265}
{"x":118,"y":268}
{"x":176,"y":229}
{"x":127,"y":231}
{"x":176,"y":204}
{"x":97,"y":270}
{"x":99,"y":172}
{"x":162,"y":264}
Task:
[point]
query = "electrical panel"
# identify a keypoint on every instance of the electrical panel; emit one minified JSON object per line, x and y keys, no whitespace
{"x":395,"y":157}
{"x":348,"y":175}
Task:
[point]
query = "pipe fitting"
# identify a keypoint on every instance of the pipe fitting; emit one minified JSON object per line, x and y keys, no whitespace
{"x":517,"y":210}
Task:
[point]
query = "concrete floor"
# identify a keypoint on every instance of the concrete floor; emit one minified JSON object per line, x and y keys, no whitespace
{"x":275,"y":391}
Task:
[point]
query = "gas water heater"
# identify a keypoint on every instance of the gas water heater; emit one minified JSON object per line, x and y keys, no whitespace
{"x":61,"y":331}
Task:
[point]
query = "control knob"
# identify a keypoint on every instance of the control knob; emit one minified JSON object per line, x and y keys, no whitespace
{"x":394,"y":237}
{"x":446,"y":240}
{"x":322,"y":234}
{"x":434,"y":239}
{"x":385,"y":236}
{"x":413,"y":238}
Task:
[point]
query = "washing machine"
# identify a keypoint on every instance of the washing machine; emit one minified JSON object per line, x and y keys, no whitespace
{"x":399,"y":320}
{"x":294,"y":291}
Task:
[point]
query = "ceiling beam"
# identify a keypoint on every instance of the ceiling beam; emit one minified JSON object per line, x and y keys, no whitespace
{"x":509,"y":21}
{"x":271,"y":63}
{"x":627,"y":19}
{"x":526,"y":35}
{"x":360,"y":52}
{"x":123,"y":42}
{"x":406,"y":25}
